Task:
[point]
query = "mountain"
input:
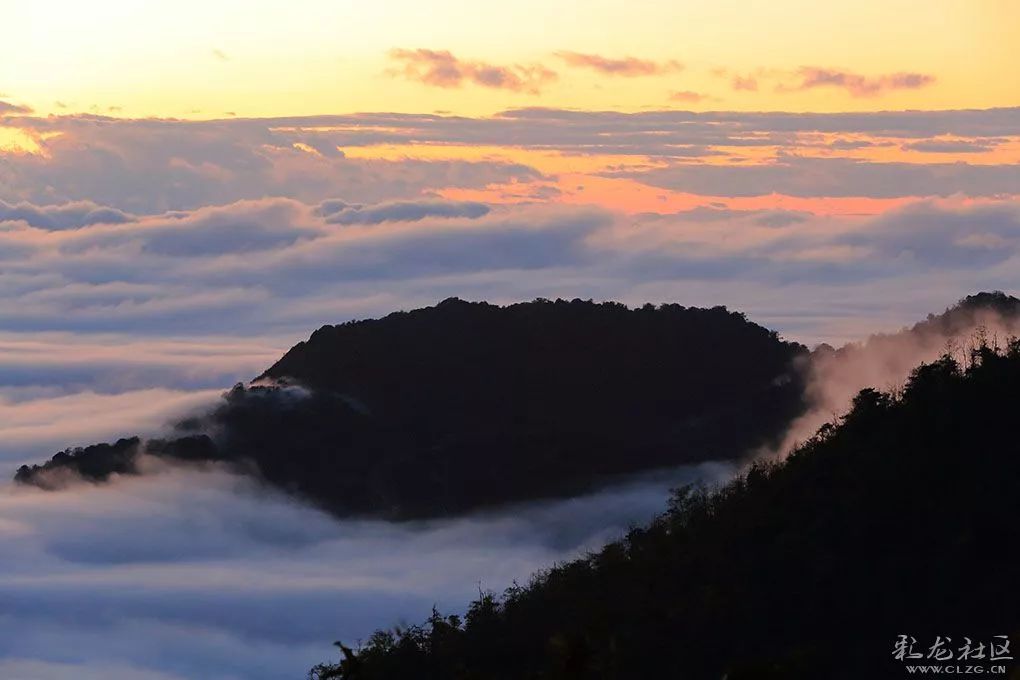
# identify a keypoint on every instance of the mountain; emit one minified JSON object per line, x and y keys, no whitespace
{"x":833,"y":376}
{"x":899,"y":520}
{"x":448,"y":408}
{"x":971,"y":311}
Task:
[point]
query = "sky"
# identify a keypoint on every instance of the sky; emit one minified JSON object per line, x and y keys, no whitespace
{"x":188,"y":188}
{"x":195,"y":58}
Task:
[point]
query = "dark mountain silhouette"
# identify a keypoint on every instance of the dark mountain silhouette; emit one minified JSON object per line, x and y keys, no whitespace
{"x":961,"y":319}
{"x":99,"y":461}
{"x":973,"y":310}
{"x":901,"y":519}
{"x":885,"y":360}
{"x":452,"y":407}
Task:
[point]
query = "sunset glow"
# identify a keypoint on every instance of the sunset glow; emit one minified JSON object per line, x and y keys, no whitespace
{"x":199,"y":60}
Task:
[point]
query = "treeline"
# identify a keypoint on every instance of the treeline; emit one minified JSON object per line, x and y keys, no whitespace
{"x":899,"y":519}
{"x":96,"y":463}
{"x":449,"y":408}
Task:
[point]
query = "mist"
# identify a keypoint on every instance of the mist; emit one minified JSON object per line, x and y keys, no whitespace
{"x":885,"y":361}
{"x":201,"y":573}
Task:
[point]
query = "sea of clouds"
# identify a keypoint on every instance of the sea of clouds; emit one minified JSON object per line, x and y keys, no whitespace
{"x":201,"y":574}
{"x":147,"y":265}
{"x":198,"y":573}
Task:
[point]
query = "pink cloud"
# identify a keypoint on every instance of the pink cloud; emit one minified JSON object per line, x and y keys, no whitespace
{"x":687,"y":96}
{"x":855,"y":84}
{"x":7,"y":107}
{"x":440,"y":68}
{"x":738,"y":82}
{"x":745,"y":83}
{"x":626,"y":66}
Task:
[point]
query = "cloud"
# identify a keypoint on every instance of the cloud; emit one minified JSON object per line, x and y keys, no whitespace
{"x":33,"y":669}
{"x":811,"y":77}
{"x":952,"y":145}
{"x":147,"y":264}
{"x":925,"y":232}
{"x":733,"y":125}
{"x":46,"y":425}
{"x":439,"y":68}
{"x":242,"y":227}
{"x":277,"y":267}
{"x":262,"y":263}
{"x":153,"y":166}
{"x":626,"y":67}
{"x":925,"y":235}
{"x":191,"y":573}
{"x":146,"y":167}
{"x":885,"y":361}
{"x":9,"y":108}
{"x":769,"y":218}
{"x":833,"y":177}
{"x":339,"y":212}
{"x":204,"y":575}
{"x":744,"y":83}
{"x":52,"y":364}
{"x":195,"y":228}
{"x":737,"y":81}
{"x":687,"y":96}
{"x":855,"y":84}
{"x":853,"y":144}
{"x":65,"y":216}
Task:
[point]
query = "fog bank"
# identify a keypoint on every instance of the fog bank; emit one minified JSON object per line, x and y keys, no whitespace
{"x":198,"y":574}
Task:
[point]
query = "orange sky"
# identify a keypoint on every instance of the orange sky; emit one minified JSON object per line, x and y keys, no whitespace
{"x":195,"y":59}
{"x":199,"y":59}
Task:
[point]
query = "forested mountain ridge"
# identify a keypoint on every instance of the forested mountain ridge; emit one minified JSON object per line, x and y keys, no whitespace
{"x":973,"y":310}
{"x":449,"y":408}
{"x":497,"y":371}
{"x":900,"y":519}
